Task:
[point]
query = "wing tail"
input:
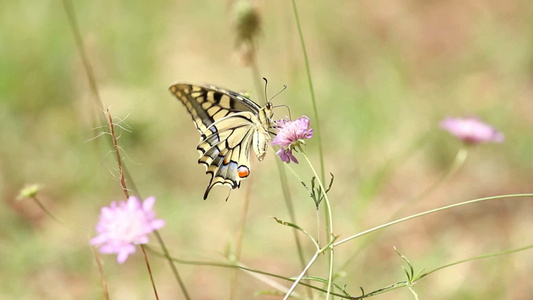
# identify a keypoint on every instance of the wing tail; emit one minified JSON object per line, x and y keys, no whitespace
{"x":224,"y":166}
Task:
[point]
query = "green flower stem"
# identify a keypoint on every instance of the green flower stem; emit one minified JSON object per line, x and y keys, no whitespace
{"x":72,"y":19}
{"x":100,"y":272}
{"x":294,"y":172}
{"x":322,"y":280}
{"x":413,"y":292}
{"x":299,"y":229}
{"x":172,"y":266}
{"x":371,"y":184}
{"x":243,"y":268}
{"x":316,"y":212}
{"x":69,"y":10}
{"x":313,"y":100}
{"x":460,"y":158}
{"x":269,"y":281}
{"x":74,"y":26}
{"x":329,"y":223}
{"x":427,"y":213}
{"x":46,"y":211}
{"x":292,"y":216}
{"x":383,"y":290}
{"x":299,"y":278}
{"x":149,"y":271}
{"x":309,"y":264}
{"x":476,"y":258}
{"x":317,"y":217}
{"x":406,"y":284}
{"x":239,"y":237}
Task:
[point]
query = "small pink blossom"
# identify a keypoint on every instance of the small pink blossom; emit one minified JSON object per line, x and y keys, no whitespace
{"x":471,"y":130}
{"x":291,"y":134}
{"x":124,"y":224}
{"x":286,"y":155}
{"x":292,"y":131}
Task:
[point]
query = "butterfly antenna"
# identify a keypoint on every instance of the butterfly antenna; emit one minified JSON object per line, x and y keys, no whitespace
{"x":288,"y":109}
{"x":284,"y":88}
{"x":266,"y":83}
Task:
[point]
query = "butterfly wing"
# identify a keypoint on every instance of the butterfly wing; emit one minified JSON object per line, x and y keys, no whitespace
{"x":227,"y":122}
{"x":207,"y":104}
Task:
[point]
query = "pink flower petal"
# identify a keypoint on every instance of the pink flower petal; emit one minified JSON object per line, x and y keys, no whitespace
{"x":156,"y":224}
{"x":148,"y":203}
{"x":124,"y":224}
{"x":124,"y":253}
{"x":133,"y":203}
{"x":471,"y":130}
{"x":282,"y":155}
{"x":291,"y":134}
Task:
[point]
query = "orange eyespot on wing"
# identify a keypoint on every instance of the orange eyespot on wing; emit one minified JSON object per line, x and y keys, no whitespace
{"x":243,"y":171}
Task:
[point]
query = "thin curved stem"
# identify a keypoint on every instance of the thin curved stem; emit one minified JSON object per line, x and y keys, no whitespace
{"x":244,"y":268}
{"x":166,"y":254}
{"x":91,"y":78}
{"x":149,"y":271}
{"x":299,"y":278}
{"x":298,"y":228}
{"x":117,"y":153}
{"x":459,"y":160}
{"x":302,"y":274}
{"x":379,"y":291}
{"x":46,"y":211}
{"x":100,"y":272}
{"x":239,"y":237}
{"x":476,"y":258}
{"x":290,"y":208}
{"x":427,"y":213}
{"x":329,"y":223}
{"x":73,"y":21}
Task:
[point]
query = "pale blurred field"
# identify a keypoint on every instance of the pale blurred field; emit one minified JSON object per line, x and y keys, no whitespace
{"x":385,"y":74}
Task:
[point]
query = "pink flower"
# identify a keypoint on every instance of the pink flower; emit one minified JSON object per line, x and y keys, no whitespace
{"x":291,"y":134}
{"x":124,"y":224}
{"x":292,"y":131}
{"x":286,"y":155}
{"x":471,"y":130}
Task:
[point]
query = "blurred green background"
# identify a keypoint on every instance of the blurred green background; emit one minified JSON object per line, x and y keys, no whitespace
{"x":385,"y":74}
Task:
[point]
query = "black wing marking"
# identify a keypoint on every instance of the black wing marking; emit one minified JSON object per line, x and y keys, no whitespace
{"x":206,"y":104}
{"x":224,"y":151}
{"x":227,"y":122}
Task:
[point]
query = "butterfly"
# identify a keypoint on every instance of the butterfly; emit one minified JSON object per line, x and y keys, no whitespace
{"x":230,"y":125}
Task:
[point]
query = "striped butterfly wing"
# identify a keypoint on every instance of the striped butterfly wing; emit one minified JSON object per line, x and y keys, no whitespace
{"x":228,"y":124}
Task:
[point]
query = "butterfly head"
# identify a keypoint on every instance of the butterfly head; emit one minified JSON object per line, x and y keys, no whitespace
{"x":265,"y":115}
{"x":269,"y":110}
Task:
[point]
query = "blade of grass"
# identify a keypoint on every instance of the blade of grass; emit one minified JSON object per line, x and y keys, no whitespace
{"x":73,"y":22}
{"x":329,"y":224}
{"x":238,"y":238}
{"x":317,"y":131}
